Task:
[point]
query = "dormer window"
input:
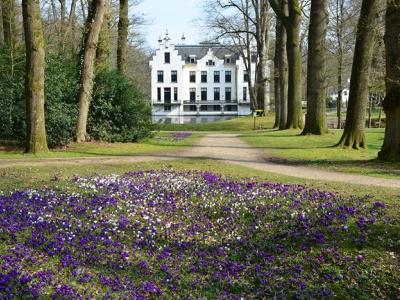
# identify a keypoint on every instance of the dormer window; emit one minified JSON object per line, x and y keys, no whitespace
{"x":192,"y":59}
{"x":228,"y":59}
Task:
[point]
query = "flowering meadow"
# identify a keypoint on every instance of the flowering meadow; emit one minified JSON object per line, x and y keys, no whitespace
{"x":193,"y":235}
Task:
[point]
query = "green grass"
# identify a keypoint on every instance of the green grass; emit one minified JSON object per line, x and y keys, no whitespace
{"x":286,"y":145}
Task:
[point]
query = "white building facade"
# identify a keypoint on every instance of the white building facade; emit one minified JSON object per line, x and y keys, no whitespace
{"x":201,"y":80}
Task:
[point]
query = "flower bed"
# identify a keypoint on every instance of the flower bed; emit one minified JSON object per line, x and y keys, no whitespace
{"x":191,"y":235}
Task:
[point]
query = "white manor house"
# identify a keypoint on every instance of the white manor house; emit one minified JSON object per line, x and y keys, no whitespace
{"x":202,"y":81}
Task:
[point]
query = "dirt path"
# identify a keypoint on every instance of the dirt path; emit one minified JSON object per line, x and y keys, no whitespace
{"x":225,"y":148}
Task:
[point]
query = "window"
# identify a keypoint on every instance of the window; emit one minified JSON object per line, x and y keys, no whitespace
{"x":160,"y":76}
{"x":167,"y":58}
{"x":175,"y":94}
{"x":244,"y":93}
{"x":192,"y":93}
{"x":228,"y":60}
{"x":167,"y":107}
{"x":210,"y":63}
{"x":203,"y":76}
{"x":228,"y":94}
{"x":217,"y":107}
{"x":204,"y":107}
{"x":192,"y":76}
{"x":245,"y":76}
{"x":216,"y":93}
{"x":228,"y":76}
{"x":193,"y":108}
{"x":174,"y":76}
{"x":203,"y":93}
{"x":216,"y":76}
{"x":167,"y":95}
{"x":158,"y":94}
{"x":192,"y":59}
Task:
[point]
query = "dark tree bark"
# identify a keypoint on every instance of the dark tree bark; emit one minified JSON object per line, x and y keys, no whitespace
{"x":34,"y":78}
{"x":92,"y":29}
{"x":8,"y":21}
{"x":123,"y":24}
{"x":391,"y":104}
{"x":316,"y":110}
{"x":292,"y":25}
{"x":354,"y":130}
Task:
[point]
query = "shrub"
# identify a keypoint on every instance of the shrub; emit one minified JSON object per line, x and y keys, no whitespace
{"x":117,"y":111}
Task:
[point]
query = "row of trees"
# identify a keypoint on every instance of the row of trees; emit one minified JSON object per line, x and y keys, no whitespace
{"x":89,"y":90}
{"x":333,"y":38}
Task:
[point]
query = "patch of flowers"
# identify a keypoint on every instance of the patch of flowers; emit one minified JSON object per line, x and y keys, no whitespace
{"x":191,"y":235}
{"x":174,"y":137}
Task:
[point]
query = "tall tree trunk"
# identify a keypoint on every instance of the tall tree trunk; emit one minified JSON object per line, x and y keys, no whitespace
{"x":316,"y":108}
{"x":103,"y":61}
{"x":391,"y":145}
{"x":283,"y":69}
{"x":339,"y":35}
{"x":34,"y":78}
{"x":261,"y":8}
{"x":123,"y":24}
{"x":69,"y":25}
{"x":277,"y":79}
{"x":8,"y":21}
{"x":92,"y":29}
{"x":292,"y":25}
{"x":354,"y":130}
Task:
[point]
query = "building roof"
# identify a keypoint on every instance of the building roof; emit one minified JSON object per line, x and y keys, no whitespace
{"x":201,"y":50}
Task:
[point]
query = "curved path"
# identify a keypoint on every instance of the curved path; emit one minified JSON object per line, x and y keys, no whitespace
{"x":226,"y":148}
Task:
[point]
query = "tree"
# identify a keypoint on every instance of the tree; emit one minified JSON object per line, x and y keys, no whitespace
{"x":92,"y":29}
{"x":246,"y":24}
{"x":280,"y":81}
{"x":353,"y":134}
{"x":390,"y":150}
{"x":123,"y":24}
{"x":34,"y":78}
{"x":341,"y":36}
{"x":8,"y":21}
{"x":292,"y":26}
{"x":316,"y":116}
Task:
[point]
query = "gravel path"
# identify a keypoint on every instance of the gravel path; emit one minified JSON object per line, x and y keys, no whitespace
{"x":225,"y":148}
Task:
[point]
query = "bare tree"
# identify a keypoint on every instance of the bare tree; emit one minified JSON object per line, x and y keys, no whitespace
{"x":34,"y":78}
{"x":341,"y":35}
{"x":354,"y":130}
{"x":292,"y":25}
{"x":390,"y":150}
{"x":316,"y":112}
{"x":92,"y":29}
{"x":246,"y":25}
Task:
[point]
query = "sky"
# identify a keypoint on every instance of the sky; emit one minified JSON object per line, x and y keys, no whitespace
{"x":176,"y":16}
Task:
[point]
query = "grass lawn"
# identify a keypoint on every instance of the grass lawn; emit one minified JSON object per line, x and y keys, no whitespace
{"x":191,"y":228}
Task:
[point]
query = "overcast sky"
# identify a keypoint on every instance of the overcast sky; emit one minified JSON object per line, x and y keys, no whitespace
{"x":175,"y":15}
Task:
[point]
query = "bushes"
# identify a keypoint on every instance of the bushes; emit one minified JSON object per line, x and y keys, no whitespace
{"x":117,"y":111}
